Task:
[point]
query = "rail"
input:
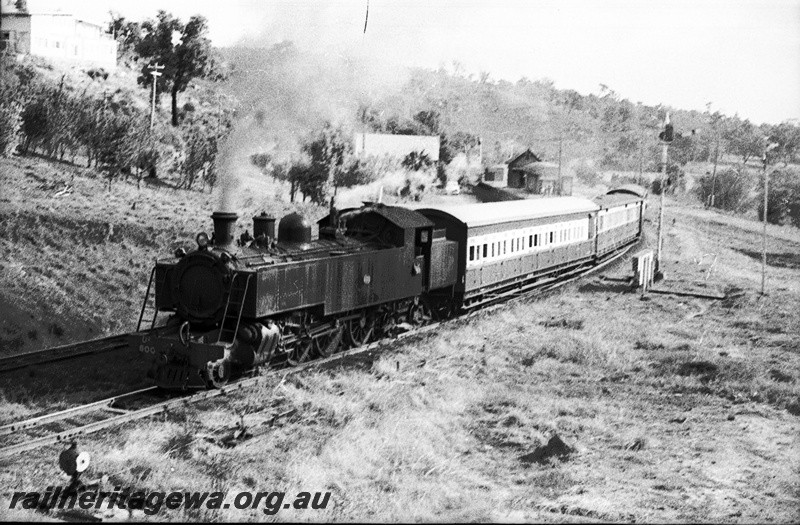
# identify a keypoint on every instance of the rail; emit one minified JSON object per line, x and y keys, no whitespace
{"x":94,"y":346}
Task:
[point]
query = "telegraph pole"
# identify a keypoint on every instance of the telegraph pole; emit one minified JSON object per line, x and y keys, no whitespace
{"x":767,"y":147}
{"x":155,"y":71}
{"x":666,"y":138}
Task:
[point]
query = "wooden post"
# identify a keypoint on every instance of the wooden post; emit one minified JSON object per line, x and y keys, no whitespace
{"x":154,"y":70}
{"x":764,"y":236}
{"x":663,"y":188}
{"x":767,"y":147}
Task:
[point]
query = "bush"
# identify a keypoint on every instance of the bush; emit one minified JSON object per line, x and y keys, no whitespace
{"x":783,"y":197}
{"x":356,"y":172}
{"x":730,"y":189}
{"x":96,"y":73}
{"x":416,"y":160}
{"x":199,"y":160}
{"x":676,"y":181}
{"x":10,"y":126}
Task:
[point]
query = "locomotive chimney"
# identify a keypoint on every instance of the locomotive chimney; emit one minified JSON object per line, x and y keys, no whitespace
{"x":263,"y":225}
{"x":224,"y":227}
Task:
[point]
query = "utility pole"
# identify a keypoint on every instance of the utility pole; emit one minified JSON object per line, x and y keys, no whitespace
{"x":767,"y":147}
{"x":155,"y":71}
{"x":640,"y":141}
{"x":666,"y":138}
{"x":713,"y":196}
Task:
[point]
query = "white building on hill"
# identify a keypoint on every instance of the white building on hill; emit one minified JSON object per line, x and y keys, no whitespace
{"x":55,"y":35}
{"x":397,"y":146}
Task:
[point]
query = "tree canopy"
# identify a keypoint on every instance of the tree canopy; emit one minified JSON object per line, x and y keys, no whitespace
{"x":183,"y":49}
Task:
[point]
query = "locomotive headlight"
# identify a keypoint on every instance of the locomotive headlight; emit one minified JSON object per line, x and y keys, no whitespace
{"x":202,"y":240}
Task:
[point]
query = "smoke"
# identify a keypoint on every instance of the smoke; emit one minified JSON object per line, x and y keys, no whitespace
{"x":292,"y":79}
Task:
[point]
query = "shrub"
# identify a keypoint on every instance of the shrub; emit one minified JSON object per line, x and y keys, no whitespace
{"x":676,"y":181}
{"x":416,"y":160}
{"x":96,"y":73}
{"x":10,"y":126}
{"x":783,"y":197}
{"x":730,"y":189}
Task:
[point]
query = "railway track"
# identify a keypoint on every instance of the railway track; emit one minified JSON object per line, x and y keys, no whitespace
{"x":58,"y":353}
{"x":66,"y":425}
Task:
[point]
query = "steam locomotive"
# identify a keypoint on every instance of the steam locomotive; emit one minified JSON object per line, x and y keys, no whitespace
{"x":282,"y":299}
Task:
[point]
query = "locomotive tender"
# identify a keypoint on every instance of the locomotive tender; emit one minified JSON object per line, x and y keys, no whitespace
{"x":271,"y":299}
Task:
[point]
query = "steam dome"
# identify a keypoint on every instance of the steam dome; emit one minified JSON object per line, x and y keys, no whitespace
{"x":294,"y":228}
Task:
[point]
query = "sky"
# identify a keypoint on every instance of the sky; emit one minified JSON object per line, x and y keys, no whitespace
{"x":741,"y":56}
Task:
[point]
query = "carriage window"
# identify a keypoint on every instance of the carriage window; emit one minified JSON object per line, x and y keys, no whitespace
{"x":492,"y":249}
{"x":471,"y":253}
{"x":552,"y":236}
{"x":485,"y":248}
{"x":504,"y":247}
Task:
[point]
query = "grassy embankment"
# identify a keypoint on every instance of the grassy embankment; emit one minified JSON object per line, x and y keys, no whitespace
{"x":76,"y":258}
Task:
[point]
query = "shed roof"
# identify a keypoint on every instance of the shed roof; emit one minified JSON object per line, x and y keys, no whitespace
{"x":523,"y":158}
{"x":545,"y":170}
{"x":474,"y":215}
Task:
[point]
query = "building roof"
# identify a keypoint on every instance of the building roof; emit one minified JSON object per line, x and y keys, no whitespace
{"x":474,"y":215}
{"x":525,"y":155}
{"x":545,"y":170}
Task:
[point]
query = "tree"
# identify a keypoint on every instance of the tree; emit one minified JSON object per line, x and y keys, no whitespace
{"x":742,"y":139}
{"x":783,"y":197}
{"x":200,"y":156}
{"x":183,"y":59}
{"x":787,"y":137}
{"x":127,"y":34}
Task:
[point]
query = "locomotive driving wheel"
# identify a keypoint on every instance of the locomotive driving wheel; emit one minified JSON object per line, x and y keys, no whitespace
{"x":327,"y":344}
{"x":301,"y":352}
{"x":418,"y":313}
{"x":360,"y":330}
{"x":388,"y":324}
